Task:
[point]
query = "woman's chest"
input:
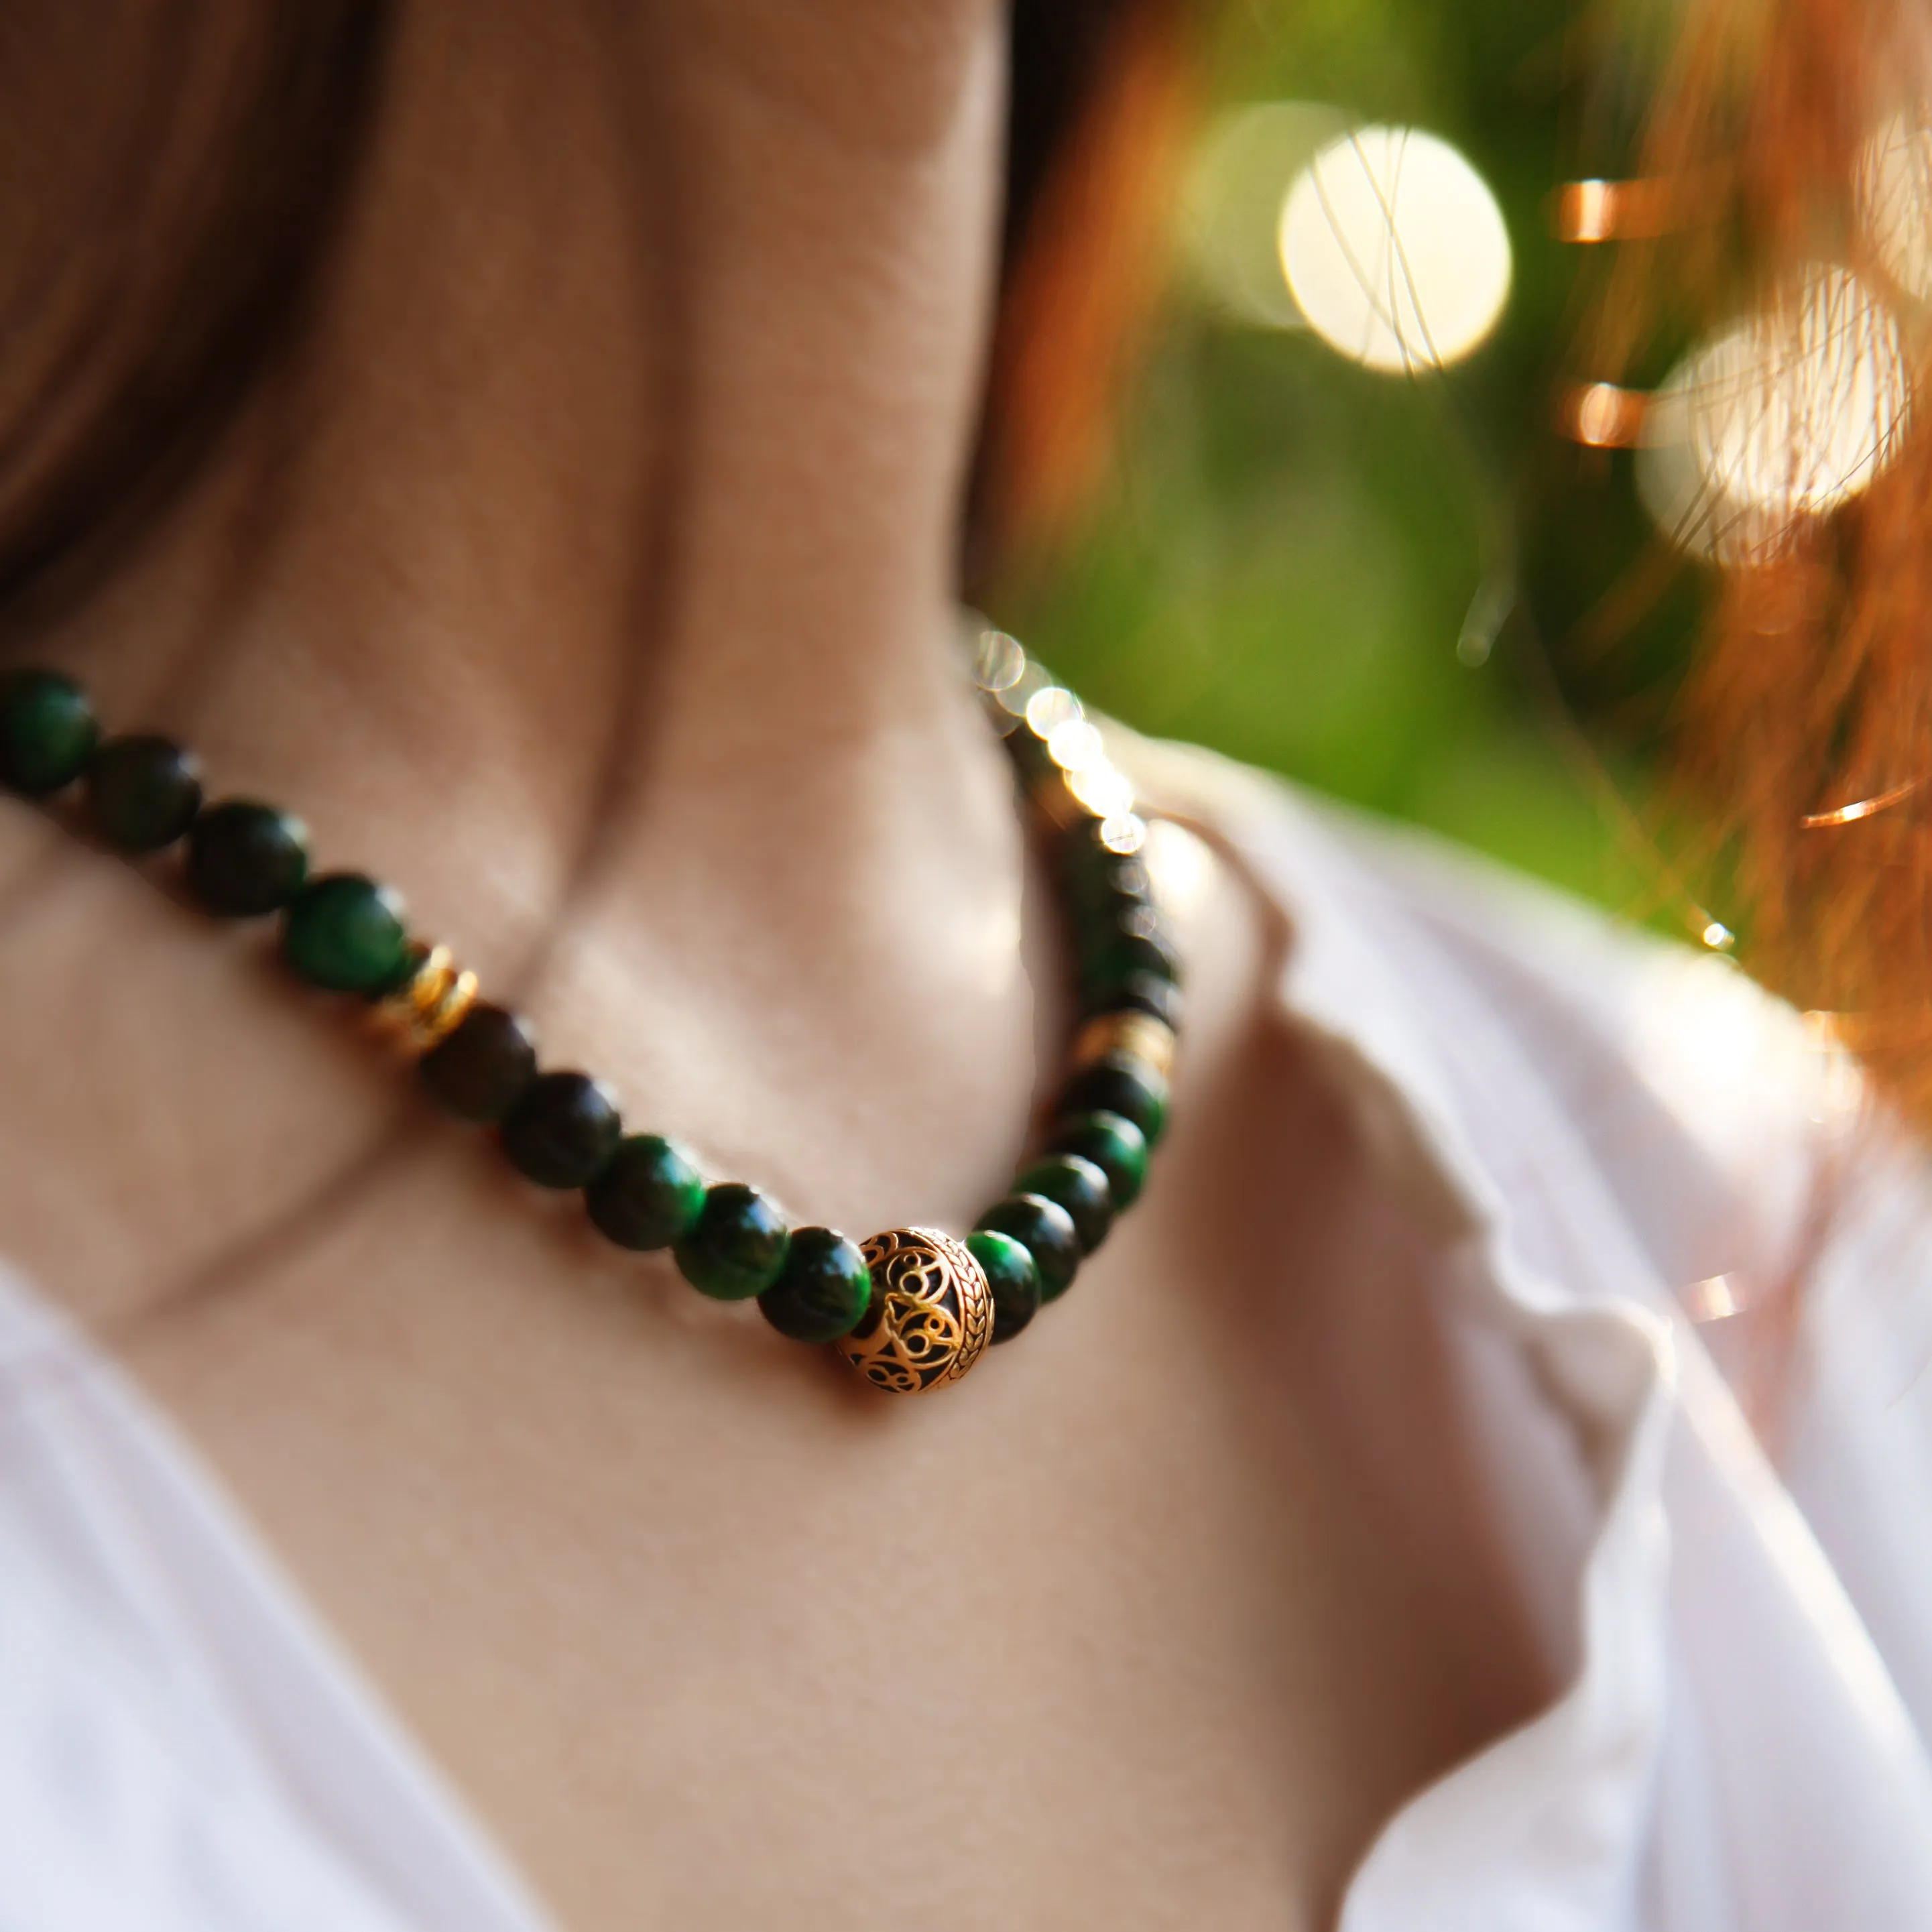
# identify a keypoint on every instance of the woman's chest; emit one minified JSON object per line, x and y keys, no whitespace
{"x":1136,"y":1626}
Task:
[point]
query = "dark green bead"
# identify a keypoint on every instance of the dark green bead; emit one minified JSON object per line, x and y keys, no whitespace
{"x":1098,"y":923}
{"x":649,"y":1196}
{"x":1028,"y":751}
{"x":1114,"y":1144}
{"x":1105,"y":882}
{"x":484,"y":1068}
{"x":1120,"y":1083}
{"x":1095,"y":872}
{"x":345,"y":933}
{"x":246,"y":859}
{"x":737,"y":1249}
{"x":1045,"y":1230}
{"x":824,"y":1291}
{"x":143,"y":792}
{"x":1080,"y":1187}
{"x":1140,"y":993}
{"x":1011,"y":1274}
{"x":47,"y":731}
{"x":564,"y":1131}
{"x":1125,"y":941}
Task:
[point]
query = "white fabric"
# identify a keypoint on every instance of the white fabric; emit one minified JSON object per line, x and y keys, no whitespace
{"x":182,"y":1748}
{"x":1742,"y":1747}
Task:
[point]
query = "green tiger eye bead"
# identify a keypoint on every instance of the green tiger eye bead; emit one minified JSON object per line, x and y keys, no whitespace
{"x":142,"y":792}
{"x":1114,"y":1144}
{"x":1045,"y":1230}
{"x":1120,"y":1083}
{"x":1118,"y":886}
{"x":650,"y":1196}
{"x":1140,"y":993}
{"x":1010,"y":1273}
{"x":1124,"y":941}
{"x":564,"y":1130}
{"x":47,"y":731}
{"x":1027,"y":750}
{"x":345,"y":933}
{"x":245,"y":859}
{"x":1080,"y":1187}
{"x":737,"y":1247}
{"x":1096,"y":875}
{"x":824,"y":1291}
{"x":484,"y":1068}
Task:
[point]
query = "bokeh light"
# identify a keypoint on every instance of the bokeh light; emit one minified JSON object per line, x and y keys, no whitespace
{"x":1895,"y":185}
{"x":1735,"y":1066}
{"x":1777,"y":420}
{"x":1230,"y":205}
{"x":1395,"y":249}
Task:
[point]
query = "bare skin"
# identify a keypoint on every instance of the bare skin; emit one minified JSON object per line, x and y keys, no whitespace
{"x":658,"y":345}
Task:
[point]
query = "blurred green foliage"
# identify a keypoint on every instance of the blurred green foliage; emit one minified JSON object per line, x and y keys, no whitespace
{"x":1287,"y":548}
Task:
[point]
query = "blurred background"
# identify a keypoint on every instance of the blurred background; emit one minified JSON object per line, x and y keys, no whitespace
{"x":1312,"y":466}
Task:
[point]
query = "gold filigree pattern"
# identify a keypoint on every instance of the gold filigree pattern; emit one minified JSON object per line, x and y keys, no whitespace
{"x":931,"y":1314}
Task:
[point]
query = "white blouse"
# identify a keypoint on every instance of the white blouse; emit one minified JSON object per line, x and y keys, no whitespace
{"x":1641,"y":1139}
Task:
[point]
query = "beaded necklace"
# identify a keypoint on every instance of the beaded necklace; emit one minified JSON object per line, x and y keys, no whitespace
{"x":912,"y":1309}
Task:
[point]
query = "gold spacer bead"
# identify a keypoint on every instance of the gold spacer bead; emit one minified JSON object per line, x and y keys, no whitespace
{"x":430,"y":1005}
{"x":1141,"y":1034}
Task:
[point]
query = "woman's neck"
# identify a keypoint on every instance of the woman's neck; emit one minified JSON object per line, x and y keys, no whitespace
{"x":613,"y":511}
{"x":591,"y":583}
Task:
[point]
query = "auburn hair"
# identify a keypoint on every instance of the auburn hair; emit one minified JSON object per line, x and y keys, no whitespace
{"x":1800,"y":745}
{"x":1805,"y":729}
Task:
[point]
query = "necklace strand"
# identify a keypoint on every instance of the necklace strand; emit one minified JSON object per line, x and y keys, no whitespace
{"x":911,"y":1308}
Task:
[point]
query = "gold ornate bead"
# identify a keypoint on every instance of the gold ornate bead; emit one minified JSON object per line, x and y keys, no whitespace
{"x":932,"y":1313}
{"x":1141,"y":1034}
{"x":430,"y":1004}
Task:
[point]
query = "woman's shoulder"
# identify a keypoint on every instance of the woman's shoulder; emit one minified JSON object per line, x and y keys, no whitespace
{"x":1642,"y":1132}
{"x":1684,"y":1087}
